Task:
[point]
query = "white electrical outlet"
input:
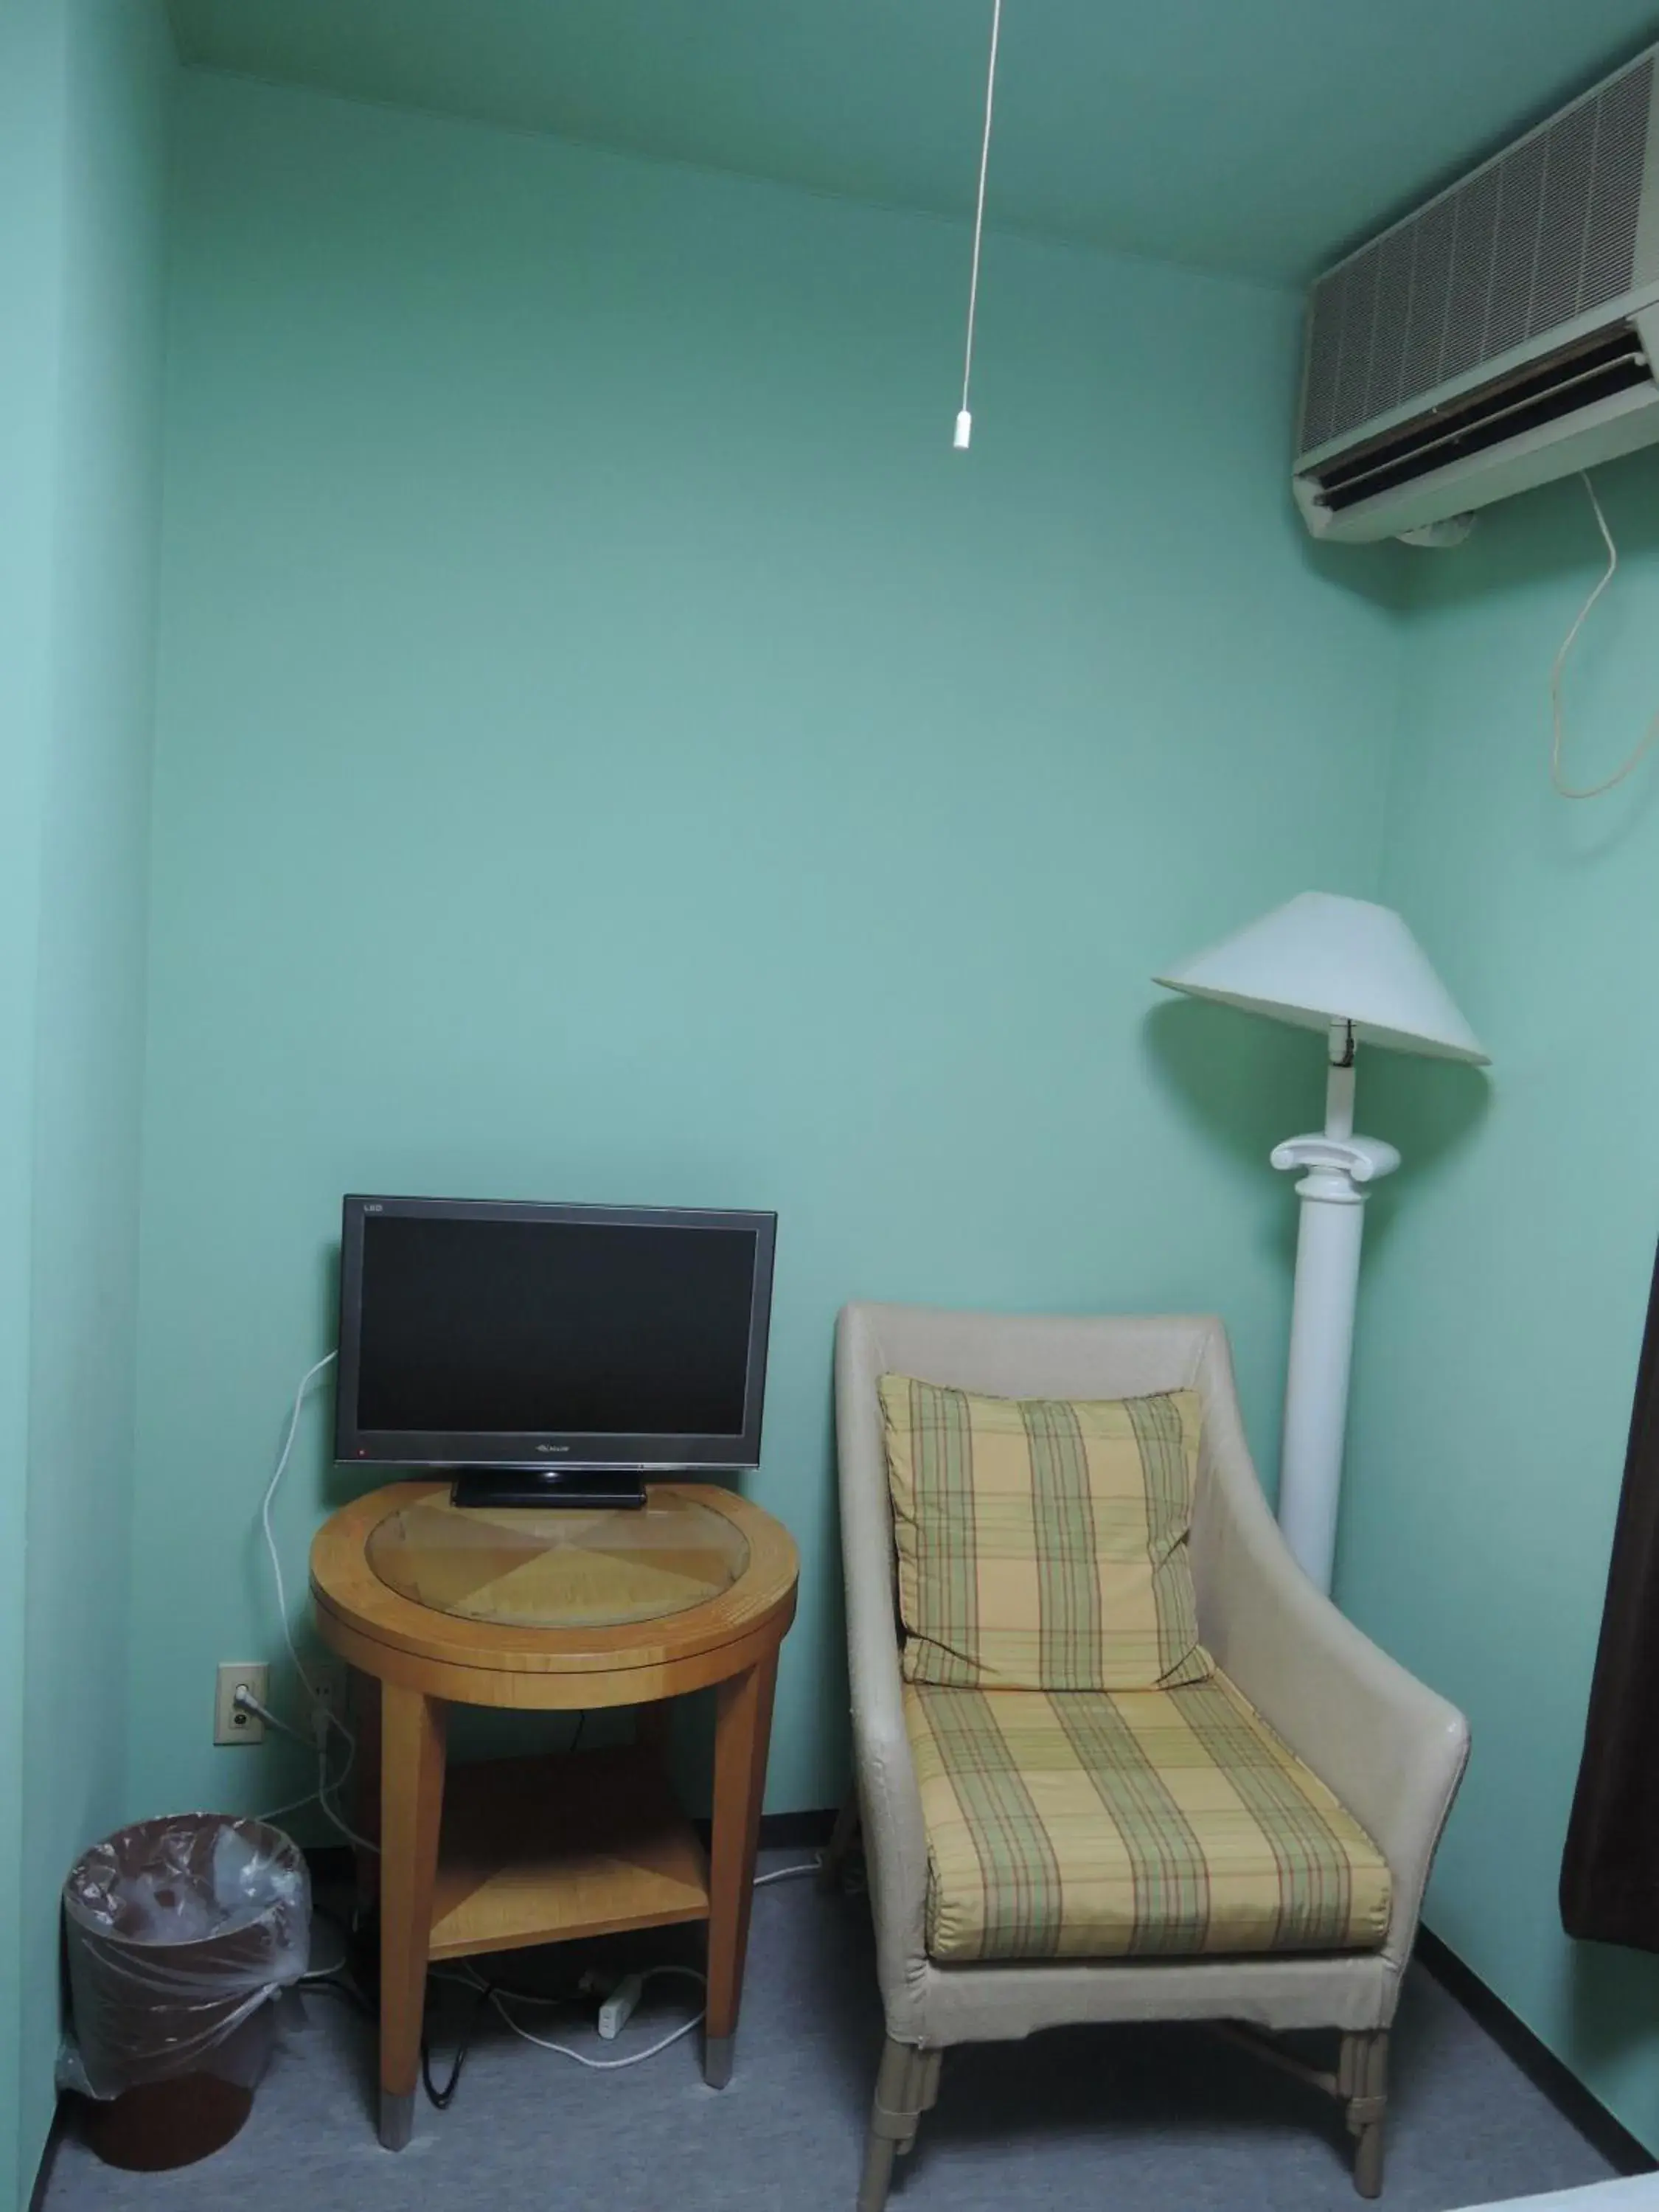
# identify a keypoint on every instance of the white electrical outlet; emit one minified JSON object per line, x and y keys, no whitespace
{"x":328,"y":1687}
{"x":232,"y":1723}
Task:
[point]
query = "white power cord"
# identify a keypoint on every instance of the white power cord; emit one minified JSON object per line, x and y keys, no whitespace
{"x":324,"y":1794}
{"x":500,"y":2002}
{"x":1593,"y":790}
{"x":324,"y":1715}
{"x":271,"y":1488}
{"x":281,"y":1812}
{"x":246,"y":1702}
{"x":324,"y":1789}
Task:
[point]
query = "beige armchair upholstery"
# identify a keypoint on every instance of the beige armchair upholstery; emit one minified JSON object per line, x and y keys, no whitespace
{"x":1391,"y":1749}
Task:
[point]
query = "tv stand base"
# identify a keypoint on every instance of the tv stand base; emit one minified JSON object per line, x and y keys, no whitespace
{"x":587,"y":1487}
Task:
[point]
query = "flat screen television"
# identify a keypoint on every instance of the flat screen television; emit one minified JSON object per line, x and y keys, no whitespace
{"x":550,"y":1354}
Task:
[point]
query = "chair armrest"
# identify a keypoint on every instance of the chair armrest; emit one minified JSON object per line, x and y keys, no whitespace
{"x":894,"y":1839}
{"x":1392,"y":1749}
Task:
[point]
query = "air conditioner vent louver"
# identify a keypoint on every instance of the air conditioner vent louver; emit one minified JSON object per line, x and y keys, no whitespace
{"x":1550,"y":390}
{"x":1538,"y":235}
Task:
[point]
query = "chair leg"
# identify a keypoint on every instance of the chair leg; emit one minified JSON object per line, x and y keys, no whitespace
{"x":1362,"y":2082}
{"x":842,"y":1837}
{"x":879,"y":2153}
{"x":926,"y":2094}
{"x":932,"y":2066}
{"x":902,"y":2094}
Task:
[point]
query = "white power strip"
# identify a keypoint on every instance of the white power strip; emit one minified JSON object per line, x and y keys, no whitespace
{"x":618,"y":1995}
{"x":618,"y":2007}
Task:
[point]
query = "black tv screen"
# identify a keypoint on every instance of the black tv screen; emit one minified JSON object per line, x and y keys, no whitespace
{"x":484,"y":1334}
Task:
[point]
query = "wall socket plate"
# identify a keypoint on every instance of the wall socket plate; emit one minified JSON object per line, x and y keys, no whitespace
{"x":328,"y":1685}
{"x":230,"y":1724}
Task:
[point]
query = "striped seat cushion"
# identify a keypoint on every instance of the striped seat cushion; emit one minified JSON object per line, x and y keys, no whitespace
{"x":1149,"y":1823}
{"x":1042,"y":1542}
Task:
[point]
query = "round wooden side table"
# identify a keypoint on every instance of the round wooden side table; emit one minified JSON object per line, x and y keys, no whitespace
{"x":552,"y":1610}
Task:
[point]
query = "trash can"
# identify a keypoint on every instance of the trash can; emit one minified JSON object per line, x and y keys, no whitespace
{"x":180,"y":1933}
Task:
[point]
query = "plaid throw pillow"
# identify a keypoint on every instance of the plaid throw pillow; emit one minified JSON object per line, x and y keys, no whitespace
{"x":1042,"y":1542}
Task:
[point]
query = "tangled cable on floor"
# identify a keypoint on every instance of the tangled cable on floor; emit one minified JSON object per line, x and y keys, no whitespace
{"x":490,"y":1996}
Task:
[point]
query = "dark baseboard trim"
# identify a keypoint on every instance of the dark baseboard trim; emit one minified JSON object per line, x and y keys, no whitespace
{"x":1536,"y":2060}
{"x":785,"y":1831}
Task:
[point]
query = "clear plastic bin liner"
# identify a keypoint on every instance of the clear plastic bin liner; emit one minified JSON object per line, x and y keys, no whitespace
{"x":179,"y":1933}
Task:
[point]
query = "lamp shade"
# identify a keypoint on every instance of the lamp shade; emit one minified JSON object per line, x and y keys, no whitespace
{"x":1321,"y":958}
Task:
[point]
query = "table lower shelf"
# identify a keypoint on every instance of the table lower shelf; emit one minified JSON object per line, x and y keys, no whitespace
{"x":544,"y":1851}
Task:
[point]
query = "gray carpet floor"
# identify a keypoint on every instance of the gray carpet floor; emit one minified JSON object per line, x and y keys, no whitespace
{"x":1137,"y":2120}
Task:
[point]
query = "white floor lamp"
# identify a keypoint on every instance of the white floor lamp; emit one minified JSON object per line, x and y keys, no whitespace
{"x":1355,"y":971}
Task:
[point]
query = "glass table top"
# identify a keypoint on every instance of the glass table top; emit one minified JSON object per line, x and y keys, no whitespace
{"x":558,"y":1567}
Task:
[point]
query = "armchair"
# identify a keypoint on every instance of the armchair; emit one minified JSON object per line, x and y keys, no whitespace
{"x":1390,"y":1749}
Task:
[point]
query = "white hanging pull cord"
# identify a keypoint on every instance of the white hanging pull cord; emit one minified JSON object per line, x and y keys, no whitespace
{"x":964,"y":421}
{"x":1593,"y":790}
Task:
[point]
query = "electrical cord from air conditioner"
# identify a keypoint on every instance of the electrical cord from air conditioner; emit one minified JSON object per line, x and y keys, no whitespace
{"x":1557,"y":717}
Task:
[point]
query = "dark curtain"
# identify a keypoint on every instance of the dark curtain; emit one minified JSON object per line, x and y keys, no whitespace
{"x":1610,"y":1870}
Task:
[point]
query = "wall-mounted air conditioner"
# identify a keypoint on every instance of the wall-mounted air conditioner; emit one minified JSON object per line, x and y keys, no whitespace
{"x":1502,"y":335}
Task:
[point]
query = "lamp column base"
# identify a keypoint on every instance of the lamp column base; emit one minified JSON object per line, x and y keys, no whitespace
{"x":1333,"y":1193}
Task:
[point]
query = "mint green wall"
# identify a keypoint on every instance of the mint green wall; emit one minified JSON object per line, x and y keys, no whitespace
{"x":30,"y":277}
{"x":83,"y":96}
{"x":1507,"y":1285}
{"x":611,"y":747}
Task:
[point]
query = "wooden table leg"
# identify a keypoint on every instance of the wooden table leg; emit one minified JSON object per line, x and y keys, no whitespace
{"x":743,"y":1732}
{"x":363,"y":1712}
{"x":411,"y":1804}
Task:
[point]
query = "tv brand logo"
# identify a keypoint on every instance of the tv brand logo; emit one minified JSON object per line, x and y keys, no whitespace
{"x":552,"y":1450}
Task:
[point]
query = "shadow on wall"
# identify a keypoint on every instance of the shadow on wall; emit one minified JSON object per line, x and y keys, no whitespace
{"x":1430,"y":1108}
{"x":1243,"y":1084}
{"x":1384,"y":574}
